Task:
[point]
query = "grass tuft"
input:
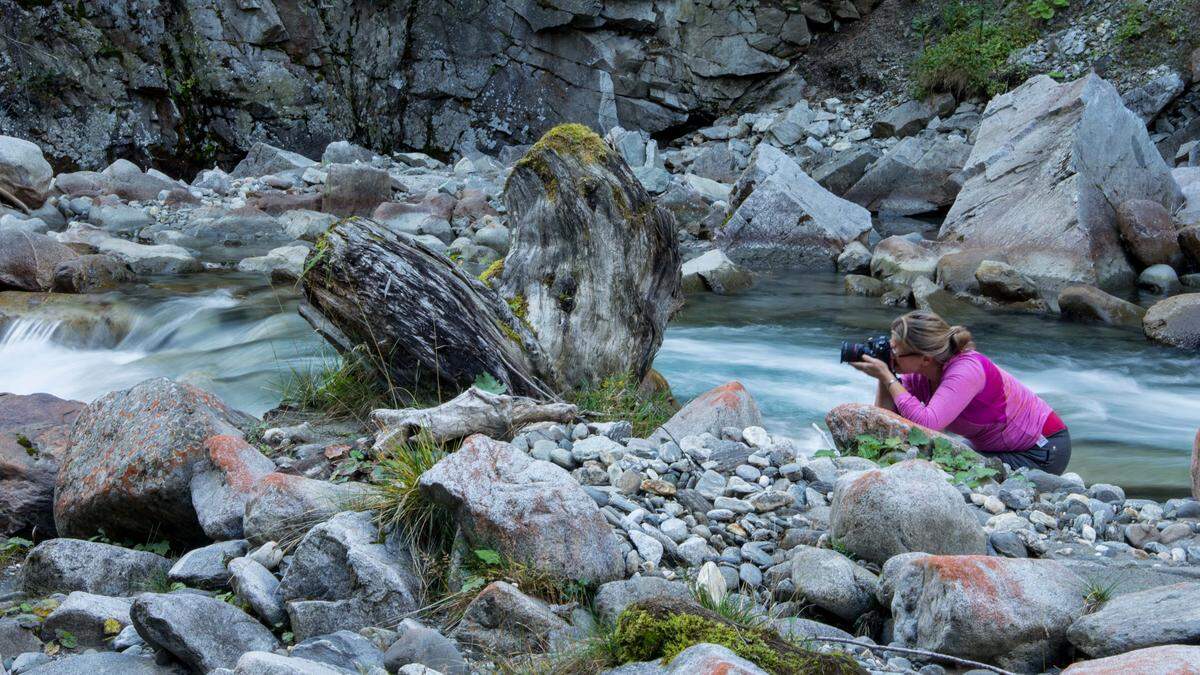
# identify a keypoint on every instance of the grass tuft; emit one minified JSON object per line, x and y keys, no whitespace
{"x":345,"y":387}
{"x":619,"y":398}
{"x":970,"y":56}
{"x":1096,"y":593}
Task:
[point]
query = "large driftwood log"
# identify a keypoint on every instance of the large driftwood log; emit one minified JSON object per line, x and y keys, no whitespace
{"x":473,"y":411}
{"x":428,"y":324}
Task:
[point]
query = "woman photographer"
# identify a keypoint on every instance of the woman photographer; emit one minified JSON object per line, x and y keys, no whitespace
{"x":944,"y":384}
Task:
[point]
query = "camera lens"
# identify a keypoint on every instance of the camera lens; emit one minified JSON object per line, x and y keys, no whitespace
{"x":852,"y":351}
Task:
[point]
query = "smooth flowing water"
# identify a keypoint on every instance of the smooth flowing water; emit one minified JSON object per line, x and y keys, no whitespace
{"x":1132,"y":406}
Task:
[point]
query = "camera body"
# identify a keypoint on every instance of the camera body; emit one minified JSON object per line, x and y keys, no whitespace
{"x":878,"y":346}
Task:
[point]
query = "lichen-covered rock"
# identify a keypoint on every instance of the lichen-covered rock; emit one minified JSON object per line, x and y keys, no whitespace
{"x":588,"y":241}
{"x":202,"y":632}
{"x":503,"y":620}
{"x":528,"y":510}
{"x":65,"y":565}
{"x":33,"y":435}
{"x":781,"y":216}
{"x":953,"y":604}
{"x":92,"y":619}
{"x":222,"y":486}
{"x":909,"y":506}
{"x":1062,"y":230}
{"x":1155,"y":616}
{"x":28,"y":260}
{"x":1164,"y":660}
{"x":131,"y":459}
{"x":729,"y":405}
{"x":1088,"y":303}
{"x":285,"y":506}
{"x":1175,"y":321}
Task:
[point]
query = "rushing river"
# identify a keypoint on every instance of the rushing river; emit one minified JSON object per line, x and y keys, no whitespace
{"x":1132,"y":406}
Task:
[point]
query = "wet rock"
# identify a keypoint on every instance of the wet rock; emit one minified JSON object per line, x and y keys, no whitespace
{"x":909,"y":506}
{"x":714,"y":272}
{"x":1148,"y":233}
{"x":339,"y":577}
{"x":1164,"y":660}
{"x":1062,"y":231}
{"x":28,"y":260}
{"x":416,"y":643}
{"x":206,"y":567}
{"x":133,"y":455}
{"x":202,"y":632}
{"x":24,"y":172}
{"x":284,"y":506}
{"x":65,"y":565}
{"x":729,"y":405}
{"x":781,"y":216}
{"x":88,"y":273}
{"x":502,"y":620}
{"x":258,"y":588}
{"x":1175,"y":321}
{"x":355,"y":189}
{"x":951,"y":604}
{"x":264,"y":159}
{"x":1159,"y":280}
{"x":857,"y":284}
{"x":612,"y":598}
{"x":917,"y":175}
{"x":33,"y":435}
{"x":1088,"y":303}
{"x":343,"y":649}
{"x":903,"y":260}
{"x":956,"y":271}
{"x":1156,"y":616}
{"x":141,"y":258}
{"x":854,"y":259}
{"x":526,"y":509}
{"x":92,"y":619}
{"x":1003,"y":282}
{"x":832,"y":582}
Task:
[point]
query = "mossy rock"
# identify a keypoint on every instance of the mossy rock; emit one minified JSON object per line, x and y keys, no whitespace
{"x":662,"y":628}
{"x":568,"y":141}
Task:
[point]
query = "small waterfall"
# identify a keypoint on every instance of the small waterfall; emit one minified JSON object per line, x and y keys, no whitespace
{"x":29,"y":332}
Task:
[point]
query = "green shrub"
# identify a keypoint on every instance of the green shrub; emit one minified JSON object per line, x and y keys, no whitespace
{"x":965,"y":467}
{"x":1133,"y":21}
{"x":969,"y":62}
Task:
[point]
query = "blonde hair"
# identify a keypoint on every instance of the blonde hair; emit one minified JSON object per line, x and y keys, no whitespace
{"x":929,"y":334}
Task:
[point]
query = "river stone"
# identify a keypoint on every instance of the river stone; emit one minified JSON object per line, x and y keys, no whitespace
{"x":857,"y":284}
{"x":612,"y":598}
{"x":526,"y":509}
{"x":306,"y":225}
{"x":416,"y":643}
{"x":126,"y":180}
{"x":707,"y":658}
{"x":92,"y":272}
{"x":588,"y":241}
{"x":28,"y":260}
{"x":105,"y":663}
{"x":729,"y":405}
{"x":953,"y":604}
{"x":855,"y":259}
{"x":919,"y":174}
{"x":1175,"y":321}
{"x":24,"y":172}
{"x":339,"y":577}
{"x":258,"y":588}
{"x":502,"y":620}
{"x":92,"y":619}
{"x":910,"y":117}
{"x":345,"y":152}
{"x":221,"y":488}
{"x":267,"y":663}
{"x":781,"y":216}
{"x":65,"y":565}
{"x":355,"y":189}
{"x":285,"y":505}
{"x":1156,"y":616}
{"x":1088,"y":303}
{"x":1062,"y":230}
{"x":33,"y":435}
{"x":909,"y":506}
{"x":1164,"y":660}
{"x":1148,"y":233}
{"x":132,"y":457}
{"x":1001,"y":281}
{"x":832,"y":582}
{"x":903,"y":260}
{"x":714,"y":272}
{"x":206,"y":567}
{"x":344,"y":649}
{"x":202,"y":632}
{"x":264,"y":159}
{"x":1159,"y":279}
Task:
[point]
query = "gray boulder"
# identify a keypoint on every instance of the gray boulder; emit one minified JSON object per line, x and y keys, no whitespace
{"x":24,"y":172}
{"x":1149,"y":233}
{"x":41,"y":423}
{"x":1063,"y":230}
{"x":65,"y":565}
{"x":259,"y":589}
{"x":1148,"y":100}
{"x":124,"y":179}
{"x":909,"y":506}
{"x":711,"y":658}
{"x":526,"y":509}
{"x":832,"y":582}
{"x":205,"y":567}
{"x":714,"y":272}
{"x":952,"y":605}
{"x":202,"y":632}
{"x":345,"y":152}
{"x":910,"y":117}
{"x":17,"y":639}
{"x":1175,"y":321}
{"x":284,"y":506}
{"x":1088,"y":303}
{"x":28,"y":260}
{"x":781,"y":216}
{"x":91,"y":272}
{"x":285,"y":263}
{"x":92,"y":619}
{"x":1156,"y":616}
{"x":729,"y":405}
{"x":612,"y":598}
{"x":1003,"y":282}
{"x":840,"y":172}
{"x":105,"y":663}
{"x":264,"y":159}
{"x":502,"y":620}
{"x":416,"y":643}
{"x":355,"y":189}
{"x":917,"y":175}
{"x":902,"y":259}
{"x":344,"y":649}
{"x":339,"y":577}
{"x":854,"y":259}
{"x":1159,"y":280}
{"x":267,"y":663}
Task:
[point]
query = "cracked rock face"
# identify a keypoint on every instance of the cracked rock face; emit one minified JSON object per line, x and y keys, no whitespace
{"x":186,"y":83}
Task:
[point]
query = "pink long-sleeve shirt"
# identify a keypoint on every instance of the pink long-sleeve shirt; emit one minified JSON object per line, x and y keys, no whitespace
{"x":976,"y":399}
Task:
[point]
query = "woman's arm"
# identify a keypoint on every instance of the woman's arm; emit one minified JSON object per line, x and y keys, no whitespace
{"x":883,"y":397}
{"x":960,"y":384}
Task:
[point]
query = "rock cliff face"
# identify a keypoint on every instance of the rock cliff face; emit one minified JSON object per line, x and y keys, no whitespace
{"x":195,"y":81}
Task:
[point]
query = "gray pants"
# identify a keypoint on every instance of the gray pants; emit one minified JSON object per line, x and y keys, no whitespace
{"x":1051,"y":457}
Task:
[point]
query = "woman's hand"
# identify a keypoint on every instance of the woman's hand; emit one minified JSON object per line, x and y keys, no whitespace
{"x":874,"y":367}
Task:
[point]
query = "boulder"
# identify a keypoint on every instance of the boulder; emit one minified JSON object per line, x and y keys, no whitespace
{"x":1159,"y":279}
{"x":225,"y":236}
{"x":903,"y":260}
{"x":781,"y":216}
{"x":1001,"y":281}
{"x":1062,"y":230}
{"x":854,"y":259}
{"x":714,"y":272}
{"x":1148,"y":233}
{"x":339,"y":577}
{"x":832,"y":582}
{"x":345,"y":152}
{"x":502,"y":620}
{"x":106,"y":663}
{"x":919,"y":174}
{"x":956,"y":271}
{"x":264,"y":159}
{"x":306,"y":225}
{"x":526,"y":509}
{"x":92,"y":272}
{"x":141,"y":258}
{"x":1189,"y":242}
{"x":588,"y":241}
{"x":612,"y":598}
{"x":33,"y":435}
{"x":355,"y":189}
{"x":221,"y":486}
{"x":729,"y":405}
{"x":259,"y":589}
{"x":1088,"y":303}
{"x":202,"y":632}
{"x":206,"y":567}
{"x":1164,"y":660}
{"x":909,"y":506}
{"x":1175,"y":321}
{"x":344,"y":649}
{"x":1148,"y":100}
{"x":1156,"y":616}
{"x":284,"y":506}
{"x":857,"y":284}
{"x":92,"y":619}
{"x":65,"y":565}
{"x":910,"y":117}
{"x":416,"y":643}
{"x":285,"y":263}
{"x":848,"y":421}
{"x":133,"y":455}
{"x":267,"y":663}
{"x":952,"y":604}
{"x":127,"y":181}
{"x":24,"y":172}
{"x":839,"y":173}
{"x":28,"y":260}
{"x":710,"y":659}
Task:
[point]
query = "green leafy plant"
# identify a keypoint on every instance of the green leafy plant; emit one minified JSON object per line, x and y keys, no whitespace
{"x":963,"y":467}
{"x":1134,"y":16}
{"x":486,"y":382}
{"x":13,"y":549}
{"x":1045,"y":9}
{"x":66,"y":638}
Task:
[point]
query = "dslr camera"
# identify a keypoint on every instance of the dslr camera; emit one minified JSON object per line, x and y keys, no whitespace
{"x":879,"y":347}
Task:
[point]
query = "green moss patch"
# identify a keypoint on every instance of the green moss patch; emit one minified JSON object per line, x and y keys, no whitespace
{"x":565,"y":140}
